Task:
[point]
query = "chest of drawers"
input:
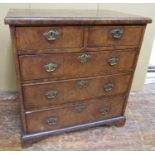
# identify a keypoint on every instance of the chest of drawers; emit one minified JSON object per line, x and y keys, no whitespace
{"x":74,"y":68}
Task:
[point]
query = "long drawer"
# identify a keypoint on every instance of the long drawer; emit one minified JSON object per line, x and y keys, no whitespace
{"x":43,"y":95}
{"x":78,"y":113}
{"x":66,"y":65}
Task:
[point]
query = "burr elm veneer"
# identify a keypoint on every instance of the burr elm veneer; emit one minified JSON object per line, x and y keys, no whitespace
{"x":74,"y":68}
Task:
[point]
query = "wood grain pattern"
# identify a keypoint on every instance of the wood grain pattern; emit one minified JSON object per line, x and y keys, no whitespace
{"x":70,"y":91}
{"x":66,"y":116}
{"x":102,"y":36}
{"x":88,"y":33}
{"x":69,"y":64}
{"x":74,"y":17}
{"x":33,"y":38}
{"x":75,"y":50}
{"x":140,"y":123}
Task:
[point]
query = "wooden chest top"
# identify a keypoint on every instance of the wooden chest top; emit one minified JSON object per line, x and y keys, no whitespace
{"x":71,"y":17}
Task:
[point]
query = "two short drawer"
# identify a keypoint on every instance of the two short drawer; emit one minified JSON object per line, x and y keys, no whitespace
{"x":74,"y":114}
{"x":39,"y":38}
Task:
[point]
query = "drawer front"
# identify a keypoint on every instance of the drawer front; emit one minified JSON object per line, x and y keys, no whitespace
{"x":80,"y":112}
{"x":41,"y":66}
{"x":99,"y":36}
{"x":29,"y":38}
{"x":48,"y":94}
{"x":67,"y":65}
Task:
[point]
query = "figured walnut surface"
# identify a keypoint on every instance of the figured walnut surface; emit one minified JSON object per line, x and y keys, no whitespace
{"x":70,"y":116}
{"x":137,"y":134}
{"x":30,"y":30}
{"x":70,"y":37}
{"x":67,"y":62}
{"x":69,"y":90}
{"x":75,"y":37}
{"x":28,"y":16}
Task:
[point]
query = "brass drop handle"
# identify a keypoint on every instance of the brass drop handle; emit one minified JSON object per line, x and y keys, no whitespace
{"x":51,"y":35}
{"x":108,"y":87}
{"x":117,"y":33}
{"x":82,"y":84}
{"x":52,"y":121}
{"x":50,"y":67}
{"x":103,"y":111}
{"x":79,"y":108}
{"x":113,"y":61}
{"x":51,"y":94}
{"x":84,"y":58}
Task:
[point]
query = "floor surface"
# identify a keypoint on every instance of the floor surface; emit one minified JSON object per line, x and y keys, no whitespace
{"x":137,"y":134}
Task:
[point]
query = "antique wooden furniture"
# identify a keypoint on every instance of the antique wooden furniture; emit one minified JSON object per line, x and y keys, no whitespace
{"x":74,"y":68}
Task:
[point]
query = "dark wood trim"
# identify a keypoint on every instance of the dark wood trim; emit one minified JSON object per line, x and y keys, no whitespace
{"x":29,"y":139}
